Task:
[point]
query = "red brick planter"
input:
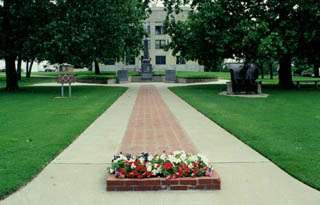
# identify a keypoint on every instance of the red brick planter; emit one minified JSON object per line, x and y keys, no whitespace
{"x":155,"y":184}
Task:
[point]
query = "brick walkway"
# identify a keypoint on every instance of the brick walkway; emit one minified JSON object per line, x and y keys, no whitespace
{"x":153,"y":128}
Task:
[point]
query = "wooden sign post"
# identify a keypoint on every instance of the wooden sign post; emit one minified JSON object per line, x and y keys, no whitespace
{"x":66,"y":77}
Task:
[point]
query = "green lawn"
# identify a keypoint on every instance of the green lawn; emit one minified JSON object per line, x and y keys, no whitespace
{"x":190,"y":74}
{"x":28,"y":81}
{"x":285,"y":127}
{"x":193,"y":74}
{"x":266,"y":80}
{"x":36,"y":126}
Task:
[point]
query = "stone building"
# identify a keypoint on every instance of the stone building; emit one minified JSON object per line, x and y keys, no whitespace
{"x":160,"y":59}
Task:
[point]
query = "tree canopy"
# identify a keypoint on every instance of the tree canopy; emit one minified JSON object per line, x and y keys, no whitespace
{"x":69,"y":31}
{"x":249,"y":29}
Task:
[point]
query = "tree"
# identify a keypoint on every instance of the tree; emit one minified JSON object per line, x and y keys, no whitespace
{"x":249,"y":30}
{"x":309,"y":40}
{"x":204,"y":36}
{"x":95,"y":31}
{"x":68,"y":31}
{"x":21,"y":22}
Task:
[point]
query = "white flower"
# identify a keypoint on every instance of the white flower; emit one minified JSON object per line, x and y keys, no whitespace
{"x":111,"y":171}
{"x":295,"y":7}
{"x":203,"y":158}
{"x":150,"y":158}
{"x":177,"y":153}
{"x":141,"y":159}
{"x":171,"y":158}
{"x":183,"y":156}
{"x":149,"y":168}
{"x":193,"y":158}
{"x":123,"y":157}
{"x":163,"y":157}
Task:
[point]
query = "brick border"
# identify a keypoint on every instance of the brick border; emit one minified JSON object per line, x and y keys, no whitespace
{"x":156,"y":184}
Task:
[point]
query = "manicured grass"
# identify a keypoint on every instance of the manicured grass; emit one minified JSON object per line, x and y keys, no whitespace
{"x":28,"y":81}
{"x":266,"y":80}
{"x":192,"y":74}
{"x":78,"y":74}
{"x":85,"y":74}
{"x":112,"y":74}
{"x":285,"y":127}
{"x":36,"y":126}
{"x":222,"y":75}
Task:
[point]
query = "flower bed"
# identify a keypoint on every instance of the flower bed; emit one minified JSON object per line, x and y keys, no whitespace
{"x":178,"y":171}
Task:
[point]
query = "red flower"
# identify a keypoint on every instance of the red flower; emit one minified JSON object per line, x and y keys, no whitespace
{"x":195,"y":172}
{"x":167,"y":165}
{"x":141,"y":168}
{"x":132,"y":174}
{"x":122,"y":171}
{"x":183,"y":170}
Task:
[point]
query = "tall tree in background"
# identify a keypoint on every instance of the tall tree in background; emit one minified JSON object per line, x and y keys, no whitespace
{"x":95,"y":31}
{"x":68,"y":31}
{"x":249,"y":30}
{"x":309,"y":40}
{"x":21,"y":22}
{"x":203,"y":37}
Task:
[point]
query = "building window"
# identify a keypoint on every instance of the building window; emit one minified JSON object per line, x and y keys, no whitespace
{"x":160,"y":60}
{"x":160,"y":44}
{"x":159,"y":30}
{"x":180,"y":60}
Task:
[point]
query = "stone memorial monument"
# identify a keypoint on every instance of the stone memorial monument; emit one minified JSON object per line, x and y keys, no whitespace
{"x":146,"y":67}
{"x":171,"y":76}
{"x":122,"y":76}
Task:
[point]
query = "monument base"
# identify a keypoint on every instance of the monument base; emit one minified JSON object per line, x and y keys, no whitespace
{"x":157,"y":184}
{"x":244,"y":95}
{"x":146,"y":76}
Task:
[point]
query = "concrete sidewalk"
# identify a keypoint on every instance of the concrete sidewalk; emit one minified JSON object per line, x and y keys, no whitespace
{"x":77,"y":175}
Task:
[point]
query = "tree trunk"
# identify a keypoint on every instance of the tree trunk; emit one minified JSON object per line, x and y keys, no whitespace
{"x":271,"y":70}
{"x":262,"y":71}
{"x":11,"y":74}
{"x":285,"y":75}
{"x":90,"y":67}
{"x":316,"y":70}
{"x":10,"y":56}
{"x":19,"y":67}
{"x":96,"y":67}
{"x":29,"y":69}
{"x":207,"y":68}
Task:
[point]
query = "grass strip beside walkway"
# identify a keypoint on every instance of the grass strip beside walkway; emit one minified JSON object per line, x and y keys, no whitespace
{"x":283,"y":127}
{"x":36,"y":126}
